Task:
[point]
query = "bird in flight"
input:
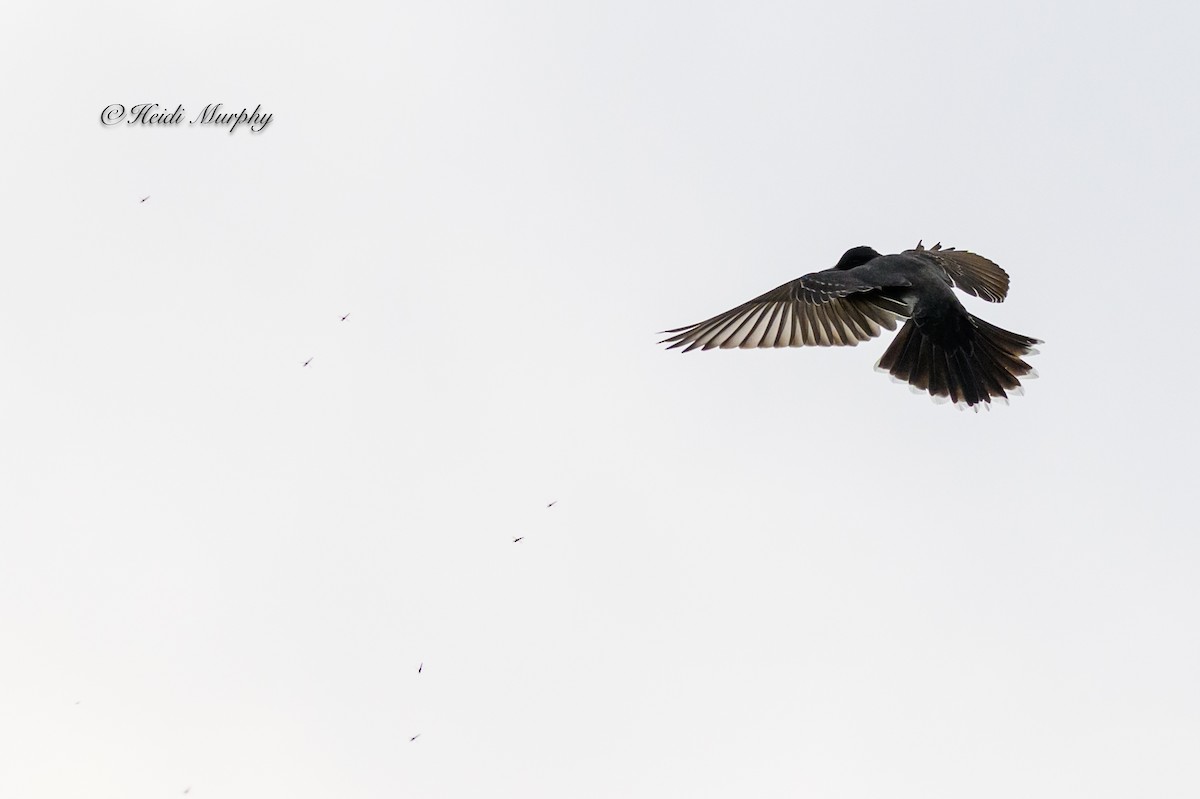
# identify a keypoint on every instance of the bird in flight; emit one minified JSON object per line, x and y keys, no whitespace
{"x":344,"y":318}
{"x":518,"y":538}
{"x":306,"y":363}
{"x":415,"y":737}
{"x":147,"y":197}
{"x":941,"y":348}
{"x":552,"y":504}
{"x":420,"y":667}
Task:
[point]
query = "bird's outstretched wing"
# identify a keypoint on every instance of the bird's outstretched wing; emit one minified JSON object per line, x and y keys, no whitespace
{"x":830,"y":308}
{"x":971,"y":273}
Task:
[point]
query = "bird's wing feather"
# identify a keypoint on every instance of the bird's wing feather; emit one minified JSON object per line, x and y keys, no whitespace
{"x":971,"y":273}
{"x":830,"y":308}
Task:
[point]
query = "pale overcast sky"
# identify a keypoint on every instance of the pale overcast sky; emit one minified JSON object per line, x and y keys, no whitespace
{"x":769,"y":573}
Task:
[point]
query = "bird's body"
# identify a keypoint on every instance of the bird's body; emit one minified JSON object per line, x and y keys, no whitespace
{"x":310,"y":360}
{"x":941,"y":349}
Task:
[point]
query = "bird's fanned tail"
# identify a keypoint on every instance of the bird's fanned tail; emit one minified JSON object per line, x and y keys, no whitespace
{"x":964,"y":360}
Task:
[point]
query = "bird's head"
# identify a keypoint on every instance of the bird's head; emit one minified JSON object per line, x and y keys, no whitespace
{"x":856,"y":256}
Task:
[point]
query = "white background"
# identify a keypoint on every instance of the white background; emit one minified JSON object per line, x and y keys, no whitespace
{"x":768,"y":574}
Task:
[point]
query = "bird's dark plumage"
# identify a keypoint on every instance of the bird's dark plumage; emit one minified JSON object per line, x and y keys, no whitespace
{"x":941,"y":349}
{"x":856,"y":256}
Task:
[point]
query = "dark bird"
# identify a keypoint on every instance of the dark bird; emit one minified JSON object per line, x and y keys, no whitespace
{"x":420,"y":667}
{"x":306,"y":363}
{"x":415,"y":737}
{"x":941,"y":349}
{"x":147,"y":197}
{"x":518,"y":538}
{"x":555,"y":502}
{"x":344,"y":318}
